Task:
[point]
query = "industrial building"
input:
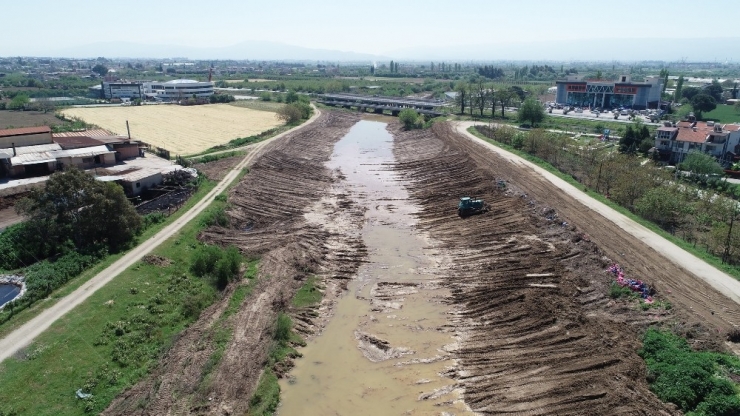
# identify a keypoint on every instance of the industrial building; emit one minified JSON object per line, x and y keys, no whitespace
{"x":578,"y":92}
{"x":179,"y":89}
{"x":27,"y":136}
{"x":122,"y":90}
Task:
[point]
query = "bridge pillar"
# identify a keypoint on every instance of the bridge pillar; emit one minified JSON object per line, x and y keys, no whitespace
{"x":378,"y":111}
{"x":395,"y":112}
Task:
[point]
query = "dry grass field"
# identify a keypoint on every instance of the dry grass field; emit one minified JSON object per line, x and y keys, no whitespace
{"x":181,"y":130}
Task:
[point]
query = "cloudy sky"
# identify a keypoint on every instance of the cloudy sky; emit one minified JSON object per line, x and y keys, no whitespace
{"x":40,"y":27}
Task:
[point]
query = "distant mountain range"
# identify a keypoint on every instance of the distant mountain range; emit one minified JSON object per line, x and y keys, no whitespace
{"x":251,"y":50}
{"x":634,"y":49}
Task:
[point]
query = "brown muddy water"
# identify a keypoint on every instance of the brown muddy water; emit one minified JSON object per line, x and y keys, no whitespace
{"x":388,"y":346}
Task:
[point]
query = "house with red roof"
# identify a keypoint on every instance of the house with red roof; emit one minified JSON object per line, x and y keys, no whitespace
{"x":673,"y":142}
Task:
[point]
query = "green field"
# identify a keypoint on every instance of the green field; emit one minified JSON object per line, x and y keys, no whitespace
{"x":723,"y":114}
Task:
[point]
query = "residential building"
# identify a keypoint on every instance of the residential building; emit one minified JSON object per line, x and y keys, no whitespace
{"x":624,"y":92}
{"x":721,"y":141}
{"x":179,"y":89}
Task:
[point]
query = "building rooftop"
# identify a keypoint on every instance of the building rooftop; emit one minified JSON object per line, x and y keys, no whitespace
{"x":75,"y":142}
{"x":25,"y":130}
{"x":87,"y":133}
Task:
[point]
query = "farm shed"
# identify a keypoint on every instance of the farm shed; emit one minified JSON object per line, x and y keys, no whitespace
{"x":28,"y":160}
{"x":27,"y":136}
{"x":86,"y":157}
{"x":136,"y":182}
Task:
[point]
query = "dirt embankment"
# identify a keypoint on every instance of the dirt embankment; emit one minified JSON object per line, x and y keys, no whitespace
{"x":538,"y":333}
{"x":267,"y":220}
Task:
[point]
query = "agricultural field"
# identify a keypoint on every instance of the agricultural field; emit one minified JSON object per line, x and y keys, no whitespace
{"x":181,"y":130}
{"x":17,"y":119}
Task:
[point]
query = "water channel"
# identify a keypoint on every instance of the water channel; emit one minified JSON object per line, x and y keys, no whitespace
{"x":387,"y":347}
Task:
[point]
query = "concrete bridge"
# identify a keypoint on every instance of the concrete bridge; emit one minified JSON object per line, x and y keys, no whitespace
{"x":381,"y":104}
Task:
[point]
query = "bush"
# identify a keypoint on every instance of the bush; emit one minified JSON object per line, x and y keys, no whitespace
{"x":282,"y":328}
{"x":290,"y":113}
{"x":410,"y":119}
{"x":222,"y":265}
{"x":694,"y":381}
{"x":266,"y":96}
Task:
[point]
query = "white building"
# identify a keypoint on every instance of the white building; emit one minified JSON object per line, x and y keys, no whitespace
{"x":179,"y":89}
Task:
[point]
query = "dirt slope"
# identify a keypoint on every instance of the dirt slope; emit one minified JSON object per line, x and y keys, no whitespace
{"x":266,"y":220}
{"x":538,"y":334}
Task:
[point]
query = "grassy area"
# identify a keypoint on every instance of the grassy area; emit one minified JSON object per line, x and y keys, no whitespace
{"x":27,"y":314}
{"x":258,"y":104}
{"x":695,"y":381}
{"x":710,"y":259}
{"x":308,"y":294}
{"x":267,"y":395}
{"x":114,"y":338}
{"x":723,"y":114}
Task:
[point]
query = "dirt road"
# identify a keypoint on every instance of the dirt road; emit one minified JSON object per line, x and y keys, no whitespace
{"x":25,"y":334}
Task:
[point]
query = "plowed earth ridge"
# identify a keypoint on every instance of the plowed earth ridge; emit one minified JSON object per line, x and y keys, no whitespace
{"x":538,"y":335}
{"x":266,"y":214}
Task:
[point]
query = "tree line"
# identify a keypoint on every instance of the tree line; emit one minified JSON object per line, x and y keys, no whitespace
{"x":696,"y":205}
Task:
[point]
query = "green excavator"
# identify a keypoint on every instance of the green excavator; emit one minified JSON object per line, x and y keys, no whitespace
{"x":469,"y":206}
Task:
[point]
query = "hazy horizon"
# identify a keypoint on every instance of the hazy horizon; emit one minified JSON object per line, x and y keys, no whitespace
{"x":414,"y":30}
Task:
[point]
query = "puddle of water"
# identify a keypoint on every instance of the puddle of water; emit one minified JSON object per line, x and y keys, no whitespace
{"x":394,"y":298}
{"x":8,"y":293}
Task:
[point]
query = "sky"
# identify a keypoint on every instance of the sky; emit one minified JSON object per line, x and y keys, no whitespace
{"x":370,"y":26}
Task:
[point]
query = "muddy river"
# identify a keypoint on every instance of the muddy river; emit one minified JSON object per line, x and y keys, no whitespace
{"x":387,"y":348}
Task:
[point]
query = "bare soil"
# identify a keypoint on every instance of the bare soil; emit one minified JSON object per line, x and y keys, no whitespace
{"x":17,"y":119}
{"x":539,"y":333}
{"x":267,"y":220}
{"x":216,"y":170}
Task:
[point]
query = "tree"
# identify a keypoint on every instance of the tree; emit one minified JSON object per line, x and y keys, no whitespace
{"x":504,"y":98}
{"x":73,"y":210}
{"x":664,"y":76}
{"x":689,"y":92}
{"x":531,"y":111}
{"x":18,"y":102}
{"x":482,"y":96}
{"x":100,"y":69}
{"x":702,"y":103}
{"x":462,"y":95}
{"x":290,"y":113}
{"x":410,"y":119}
{"x":679,"y":87}
{"x":700,"y":164}
{"x":392,"y":66}
{"x":291,"y":97}
{"x":714,"y":90}
{"x":664,"y":205}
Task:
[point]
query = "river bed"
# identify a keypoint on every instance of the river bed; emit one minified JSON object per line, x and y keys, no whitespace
{"x":388,"y":346}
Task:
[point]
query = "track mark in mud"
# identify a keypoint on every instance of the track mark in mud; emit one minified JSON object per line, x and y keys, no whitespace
{"x":267,"y":221}
{"x":533,"y":320}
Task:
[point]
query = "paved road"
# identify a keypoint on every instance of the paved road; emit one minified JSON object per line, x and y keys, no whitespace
{"x":25,"y":334}
{"x":719,"y":280}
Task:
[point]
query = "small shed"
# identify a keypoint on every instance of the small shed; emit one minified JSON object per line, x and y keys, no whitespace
{"x":138,"y":181}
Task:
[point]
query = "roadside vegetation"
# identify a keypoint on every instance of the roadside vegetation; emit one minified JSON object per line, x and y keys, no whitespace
{"x":684,"y":209}
{"x":116,"y":337}
{"x":694,"y":210}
